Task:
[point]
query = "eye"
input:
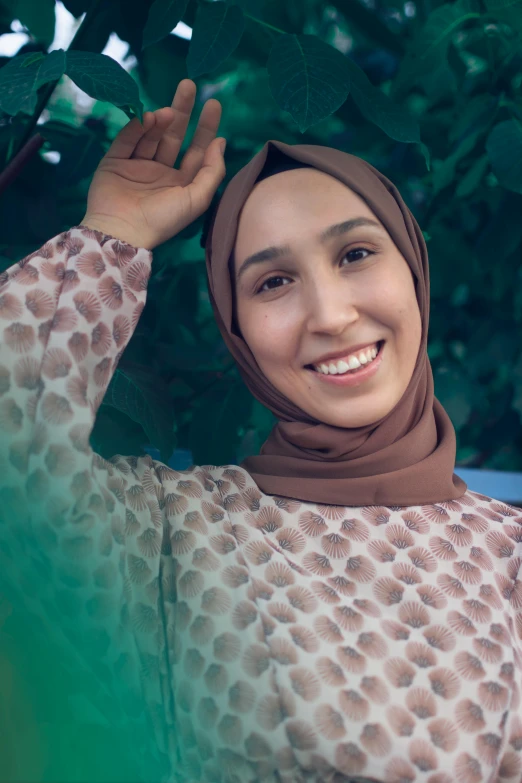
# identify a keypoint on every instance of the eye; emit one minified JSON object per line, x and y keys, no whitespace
{"x":357,"y":250}
{"x":263,"y":289}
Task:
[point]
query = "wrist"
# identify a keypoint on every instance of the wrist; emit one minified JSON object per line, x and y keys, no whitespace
{"x":114,"y":227}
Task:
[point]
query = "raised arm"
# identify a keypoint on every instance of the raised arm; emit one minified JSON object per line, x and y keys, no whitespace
{"x":73,"y":526}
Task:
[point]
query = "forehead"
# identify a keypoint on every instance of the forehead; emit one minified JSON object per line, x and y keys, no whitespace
{"x":298,"y":194}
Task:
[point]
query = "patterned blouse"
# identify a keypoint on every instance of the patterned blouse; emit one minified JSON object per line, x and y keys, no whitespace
{"x":248,"y":638}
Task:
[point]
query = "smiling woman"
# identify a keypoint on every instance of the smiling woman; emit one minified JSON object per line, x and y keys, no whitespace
{"x":260,"y":622}
{"x":320,"y":294}
{"x":328,"y":270}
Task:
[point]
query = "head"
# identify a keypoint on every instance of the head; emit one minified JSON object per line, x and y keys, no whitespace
{"x":323,"y":295}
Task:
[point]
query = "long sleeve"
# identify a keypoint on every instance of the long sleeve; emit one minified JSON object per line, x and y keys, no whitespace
{"x":67,"y":312}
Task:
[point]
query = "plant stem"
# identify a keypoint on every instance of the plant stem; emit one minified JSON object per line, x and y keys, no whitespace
{"x":265,"y":24}
{"x":49,"y":88}
{"x":14,"y":167}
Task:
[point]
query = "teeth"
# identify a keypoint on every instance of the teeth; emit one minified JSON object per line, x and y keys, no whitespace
{"x":353,"y":362}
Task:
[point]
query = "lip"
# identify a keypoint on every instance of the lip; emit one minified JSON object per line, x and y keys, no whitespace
{"x":357,"y":377}
{"x":342,"y":354}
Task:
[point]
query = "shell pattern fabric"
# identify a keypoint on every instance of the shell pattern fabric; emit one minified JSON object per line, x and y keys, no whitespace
{"x":263,"y":639}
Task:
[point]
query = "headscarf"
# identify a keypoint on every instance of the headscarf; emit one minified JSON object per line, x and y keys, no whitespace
{"x":405,"y":458}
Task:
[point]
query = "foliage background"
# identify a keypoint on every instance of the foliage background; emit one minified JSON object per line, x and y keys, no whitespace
{"x":428,"y":92}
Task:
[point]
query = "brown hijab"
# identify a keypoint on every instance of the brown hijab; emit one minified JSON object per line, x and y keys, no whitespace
{"x":406,"y":458}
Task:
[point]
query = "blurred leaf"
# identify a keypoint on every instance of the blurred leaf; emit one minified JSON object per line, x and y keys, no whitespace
{"x":440,"y":82}
{"x":429,"y":47}
{"x":21,"y":78}
{"x":134,"y":391}
{"x":80,"y":150}
{"x":307,"y":78}
{"x":504,"y":147}
{"x":504,"y":222}
{"x":185,"y":353}
{"x":254,"y":7}
{"x":104,"y":79}
{"x":38,"y":17}
{"x":517,"y":383}
{"x":76,"y":7}
{"x":368,"y":22}
{"x":163,"y":17}
{"x":454,"y":392}
{"x":161,"y":67}
{"x":216,"y":420}
{"x":473,"y":177}
{"x":217,"y":32}
{"x":509,"y":11}
{"x":5,"y":263}
{"x":445,"y":173}
{"x":475,"y":112}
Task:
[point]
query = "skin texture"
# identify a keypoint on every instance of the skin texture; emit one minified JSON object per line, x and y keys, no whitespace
{"x":326,"y":297}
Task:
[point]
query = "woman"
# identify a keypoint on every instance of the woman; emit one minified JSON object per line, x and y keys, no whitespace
{"x":338,"y":608}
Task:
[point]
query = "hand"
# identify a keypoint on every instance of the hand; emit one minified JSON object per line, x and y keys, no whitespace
{"x":136,"y":195}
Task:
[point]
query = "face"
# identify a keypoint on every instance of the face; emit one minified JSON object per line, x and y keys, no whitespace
{"x":324,"y":295}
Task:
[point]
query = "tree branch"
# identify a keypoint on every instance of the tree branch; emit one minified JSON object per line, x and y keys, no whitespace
{"x":15,"y":166}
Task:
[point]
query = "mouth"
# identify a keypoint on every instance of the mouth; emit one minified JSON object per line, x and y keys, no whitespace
{"x":355,"y":377}
{"x":379,"y":344}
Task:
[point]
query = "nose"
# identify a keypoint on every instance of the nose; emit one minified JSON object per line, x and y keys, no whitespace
{"x":330,"y":306}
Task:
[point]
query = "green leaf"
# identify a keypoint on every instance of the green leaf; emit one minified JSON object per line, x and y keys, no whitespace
{"x":162,"y":67}
{"x":307,"y":78}
{"x":163,"y":17}
{"x":104,"y":79}
{"x":21,"y":78}
{"x":38,"y":17}
{"x":33,"y":58}
{"x":145,"y":399}
{"x":504,"y":147}
{"x":378,"y":108}
{"x":52,"y":68}
{"x":217,"y":32}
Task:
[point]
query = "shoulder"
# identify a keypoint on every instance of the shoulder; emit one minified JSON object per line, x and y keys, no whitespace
{"x":498,"y":525}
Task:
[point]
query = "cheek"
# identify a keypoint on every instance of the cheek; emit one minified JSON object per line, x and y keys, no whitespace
{"x":269,"y":335}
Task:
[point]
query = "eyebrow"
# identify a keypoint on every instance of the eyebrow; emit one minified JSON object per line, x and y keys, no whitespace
{"x":273,"y":252}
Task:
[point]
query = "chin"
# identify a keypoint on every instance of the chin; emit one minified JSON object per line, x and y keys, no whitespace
{"x":354,"y":420}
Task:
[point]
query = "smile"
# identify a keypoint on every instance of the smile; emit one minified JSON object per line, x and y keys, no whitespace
{"x":356,"y":376}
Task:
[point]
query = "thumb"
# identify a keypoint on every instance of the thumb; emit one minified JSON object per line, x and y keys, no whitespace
{"x":209,"y":177}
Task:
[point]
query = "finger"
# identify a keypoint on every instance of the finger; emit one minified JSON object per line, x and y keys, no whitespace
{"x":126,"y":140}
{"x":204,"y":135}
{"x":148,"y":144}
{"x":208,"y":178}
{"x":183,"y":104}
